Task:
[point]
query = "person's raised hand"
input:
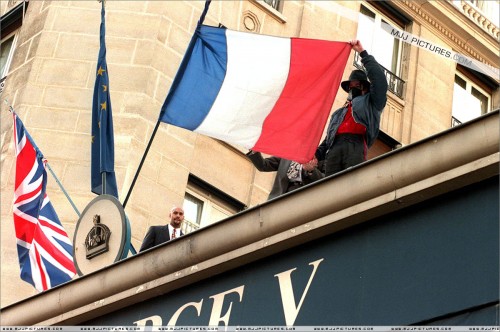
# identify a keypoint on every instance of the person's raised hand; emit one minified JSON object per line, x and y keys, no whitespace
{"x":356,"y":45}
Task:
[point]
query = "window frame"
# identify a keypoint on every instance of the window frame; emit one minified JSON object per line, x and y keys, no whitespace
{"x":387,"y":13}
{"x":212,"y":199}
{"x":382,"y":14}
{"x":208,"y":204}
{"x":274,"y":4}
{"x":190,"y":196}
{"x":8,"y":62}
{"x":10,"y":23}
{"x":471,"y":82}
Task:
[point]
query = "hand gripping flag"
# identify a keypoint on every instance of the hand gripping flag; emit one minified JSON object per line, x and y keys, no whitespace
{"x":103,"y":145}
{"x":265,"y":93}
{"x":43,"y":246}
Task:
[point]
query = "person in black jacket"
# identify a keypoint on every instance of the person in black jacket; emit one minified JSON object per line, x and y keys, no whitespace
{"x":354,"y":127}
{"x":290,"y":175}
{"x":160,"y":234}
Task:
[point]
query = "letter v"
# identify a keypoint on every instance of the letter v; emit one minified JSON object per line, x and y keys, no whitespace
{"x":287,"y":297}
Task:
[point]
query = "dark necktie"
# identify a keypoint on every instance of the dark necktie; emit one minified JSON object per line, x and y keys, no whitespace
{"x":173,"y":234}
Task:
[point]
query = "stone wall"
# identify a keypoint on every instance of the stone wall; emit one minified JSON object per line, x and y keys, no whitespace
{"x":51,"y":86}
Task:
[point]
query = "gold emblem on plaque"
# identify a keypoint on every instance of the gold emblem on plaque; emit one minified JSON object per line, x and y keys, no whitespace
{"x":97,"y":240}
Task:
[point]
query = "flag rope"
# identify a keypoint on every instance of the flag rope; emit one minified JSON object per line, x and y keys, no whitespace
{"x":204,"y":13}
{"x":63,"y":190}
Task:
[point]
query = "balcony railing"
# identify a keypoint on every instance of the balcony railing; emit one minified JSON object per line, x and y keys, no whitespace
{"x":188,"y":226}
{"x":478,"y":17}
{"x":396,"y":84}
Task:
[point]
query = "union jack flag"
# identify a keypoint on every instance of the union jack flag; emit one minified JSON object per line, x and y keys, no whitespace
{"x":43,"y":246}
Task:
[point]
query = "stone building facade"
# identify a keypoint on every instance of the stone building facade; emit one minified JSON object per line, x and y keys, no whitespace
{"x":49,"y":79}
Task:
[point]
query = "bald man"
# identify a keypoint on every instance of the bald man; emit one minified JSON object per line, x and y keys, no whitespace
{"x":160,"y":234}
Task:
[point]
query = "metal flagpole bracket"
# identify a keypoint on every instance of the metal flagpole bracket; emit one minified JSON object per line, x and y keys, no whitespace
{"x":11,"y":109}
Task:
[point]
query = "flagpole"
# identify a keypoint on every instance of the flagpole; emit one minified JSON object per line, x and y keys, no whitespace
{"x":63,"y":190}
{"x":103,"y":174}
{"x":200,"y":21}
{"x":141,"y":163}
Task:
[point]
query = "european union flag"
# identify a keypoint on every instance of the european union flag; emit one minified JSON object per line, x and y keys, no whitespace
{"x":103,"y":145}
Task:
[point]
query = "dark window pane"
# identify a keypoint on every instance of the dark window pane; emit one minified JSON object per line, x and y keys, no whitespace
{"x":460,"y":82}
{"x":273,"y":3}
{"x":367,"y":12}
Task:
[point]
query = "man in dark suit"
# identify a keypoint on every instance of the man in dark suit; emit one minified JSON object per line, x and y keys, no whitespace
{"x":160,"y":234}
{"x":290,"y":175}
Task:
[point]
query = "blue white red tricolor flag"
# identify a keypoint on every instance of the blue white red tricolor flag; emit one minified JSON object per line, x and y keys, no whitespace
{"x":44,"y":249}
{"x":265,"y":93}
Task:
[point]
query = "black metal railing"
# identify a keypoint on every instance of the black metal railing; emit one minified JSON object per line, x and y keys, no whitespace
{"x":396,"y":84}
{"x":2,"y":84}
{"x":273,"y":3}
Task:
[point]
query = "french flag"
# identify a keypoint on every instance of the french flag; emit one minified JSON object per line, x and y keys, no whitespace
{"x":265,"y":93}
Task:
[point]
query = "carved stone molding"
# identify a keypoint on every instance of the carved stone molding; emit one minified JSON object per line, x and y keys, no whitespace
{"x":12,"y":3}
{"x":414,"y":6}
{"x":482,"y":21}
{"x":250,"y":21}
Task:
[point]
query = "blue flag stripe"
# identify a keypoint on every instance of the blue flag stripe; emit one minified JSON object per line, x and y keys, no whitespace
{"x":198,"y":82}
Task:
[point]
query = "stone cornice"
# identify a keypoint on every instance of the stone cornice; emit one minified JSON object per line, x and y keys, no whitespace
{"x":479,"y":18}
{"x":477,"y":42}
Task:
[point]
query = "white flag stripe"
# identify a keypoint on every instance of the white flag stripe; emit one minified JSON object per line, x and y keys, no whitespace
{"x":51,"y":260}
{"x":35,"y":269}
{"x":248,"y":61}
{"x":19,"y":147}
{"x":23,"y":243}
{"x":24,"y":216}
{"x":25,"y":186}
{"x":50,"y":233}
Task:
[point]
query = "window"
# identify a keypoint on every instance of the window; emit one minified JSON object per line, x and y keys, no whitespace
{"x":380,"y":43}
{"x":205,"y":205}
{"x":6,"y":51}
{"x":193,"y":208}
{"x":384,"y":47}
{"x":276,"y":4}
{"x":10,"y":23}
{"x":470,"y":100}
